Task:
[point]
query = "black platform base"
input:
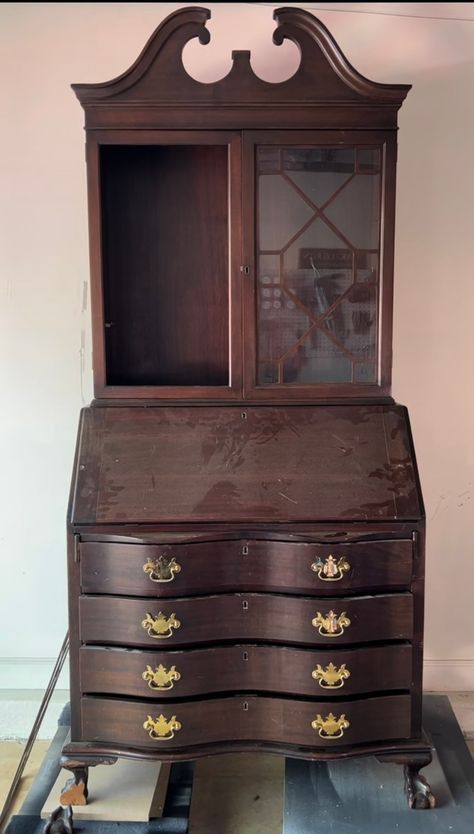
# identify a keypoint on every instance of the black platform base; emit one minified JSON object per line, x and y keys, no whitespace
{"x":362,"y":796}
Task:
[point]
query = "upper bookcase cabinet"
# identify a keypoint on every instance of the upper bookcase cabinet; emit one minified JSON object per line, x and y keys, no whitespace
{"x":241,"y":232}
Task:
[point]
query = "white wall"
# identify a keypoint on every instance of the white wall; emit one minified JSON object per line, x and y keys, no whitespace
{"x":45,"y":332}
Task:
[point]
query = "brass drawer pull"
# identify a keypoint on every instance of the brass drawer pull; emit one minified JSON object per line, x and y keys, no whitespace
{"x":161,"y":627}
{"x":161,"y":678}
{"x":331,"y":677}
{"x":160,"y":728}
{"x":330,"y":727}
{"x":330,"y":570}
{"x":331,"y":625}
{"x":162,"y":569}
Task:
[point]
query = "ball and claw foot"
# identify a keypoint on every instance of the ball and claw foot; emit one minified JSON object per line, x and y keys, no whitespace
{"x":417,"y":789}
{"x":60,"y":822}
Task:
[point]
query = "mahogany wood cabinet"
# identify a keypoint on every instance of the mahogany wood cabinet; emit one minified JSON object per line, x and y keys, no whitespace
{"x":246,"y":526}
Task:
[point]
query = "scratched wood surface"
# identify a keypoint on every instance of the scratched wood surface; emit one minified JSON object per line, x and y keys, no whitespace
{"x":245,"y":464}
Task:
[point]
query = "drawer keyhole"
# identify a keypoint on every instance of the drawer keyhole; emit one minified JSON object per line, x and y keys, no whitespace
{"x":245,"y":605}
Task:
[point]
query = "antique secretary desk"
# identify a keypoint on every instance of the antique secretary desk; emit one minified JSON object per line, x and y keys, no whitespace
{"x":246,"y":527}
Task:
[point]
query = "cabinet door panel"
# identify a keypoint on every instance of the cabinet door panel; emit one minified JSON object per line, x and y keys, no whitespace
{"x":166,"y":287}
{"x":316,"y":249}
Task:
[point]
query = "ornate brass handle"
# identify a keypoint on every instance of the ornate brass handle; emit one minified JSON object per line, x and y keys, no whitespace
{"x":331,"y":625}
{"x":331,"y":570}
{"x":161,"y":678}
{"x":331,"y":677}
{"x":160,"y":729}
{"x":330,"y":727}
{"x":161,"y":627}
{"x":162,"y":569}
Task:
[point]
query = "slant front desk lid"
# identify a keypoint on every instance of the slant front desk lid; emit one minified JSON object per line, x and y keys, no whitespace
{"x":156,"y":465}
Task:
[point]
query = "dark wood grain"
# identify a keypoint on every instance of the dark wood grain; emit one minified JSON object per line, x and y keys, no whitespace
{"x":236,"y":617}
{"x":243,"y":668}
{"x":245,"y":565}
{"x":277,"y":720}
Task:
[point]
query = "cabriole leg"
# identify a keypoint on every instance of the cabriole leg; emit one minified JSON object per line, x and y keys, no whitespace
{"x":418,"y":791}
{"x":75,"y":790}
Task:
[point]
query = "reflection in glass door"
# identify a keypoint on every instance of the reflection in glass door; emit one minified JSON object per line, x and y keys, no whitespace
{"x":318,"y":247}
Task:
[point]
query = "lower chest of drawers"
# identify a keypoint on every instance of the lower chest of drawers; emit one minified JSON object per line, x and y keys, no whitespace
{"x":280,"y":643}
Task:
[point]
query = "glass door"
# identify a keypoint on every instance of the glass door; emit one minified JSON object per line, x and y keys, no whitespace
{"x":316,"y":250}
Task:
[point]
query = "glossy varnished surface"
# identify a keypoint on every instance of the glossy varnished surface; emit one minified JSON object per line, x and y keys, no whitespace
{"x":247,"y":565}
{"x":250,"y":464}
{"x":277,"y":720}
{"x":234,"y":617}
{"x":245,"y":668}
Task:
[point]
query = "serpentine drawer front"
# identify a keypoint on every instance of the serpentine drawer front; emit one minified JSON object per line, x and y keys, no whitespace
{"x":180,"y":674}
{"x":315,"y":723}
{"x":237,"y":617}
{"x":247,"y":565}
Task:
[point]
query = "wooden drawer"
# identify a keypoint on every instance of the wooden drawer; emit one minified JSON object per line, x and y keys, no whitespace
{"x":240,"y":718}
{"x":245,"y":668}
{"x":245,"y":617}
{"x":244,"y":565}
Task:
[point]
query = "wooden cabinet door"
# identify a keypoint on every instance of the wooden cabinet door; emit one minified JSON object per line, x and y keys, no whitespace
{"x":165,"y":228}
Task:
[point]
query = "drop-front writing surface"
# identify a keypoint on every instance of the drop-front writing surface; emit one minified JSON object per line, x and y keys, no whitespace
{"x":245,"y":464}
